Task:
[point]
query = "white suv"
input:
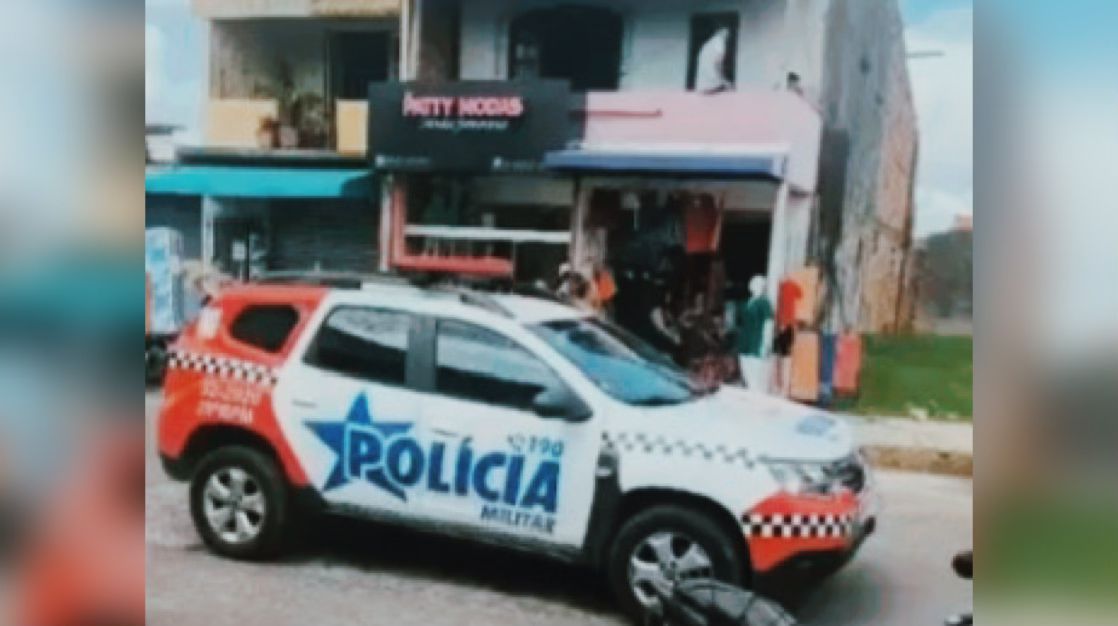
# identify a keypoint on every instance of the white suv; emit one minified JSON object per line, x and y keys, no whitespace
{"x":500,"y":418}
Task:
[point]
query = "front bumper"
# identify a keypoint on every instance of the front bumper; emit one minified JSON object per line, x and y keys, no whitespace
{"x":788,"y":531}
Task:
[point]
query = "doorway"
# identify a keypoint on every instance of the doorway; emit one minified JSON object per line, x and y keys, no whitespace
{"x":358,"y":58}
{"x":745,"y":249}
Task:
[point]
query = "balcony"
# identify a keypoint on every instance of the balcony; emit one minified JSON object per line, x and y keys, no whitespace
{"x":253,"y":125}
{"x":296,"y":84}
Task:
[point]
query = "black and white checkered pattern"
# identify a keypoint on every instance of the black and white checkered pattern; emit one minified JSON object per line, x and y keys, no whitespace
{"x":223,"y":367}
{"x":665,"y":446}
{"x":814,"y":526}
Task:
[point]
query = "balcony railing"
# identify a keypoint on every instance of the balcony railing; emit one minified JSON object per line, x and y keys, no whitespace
{"x":252,"y":124}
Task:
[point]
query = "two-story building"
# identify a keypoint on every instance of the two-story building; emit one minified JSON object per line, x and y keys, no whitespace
{"x":835,"y":192}
{"x":803,"y":154}
{"x":281,"y":170}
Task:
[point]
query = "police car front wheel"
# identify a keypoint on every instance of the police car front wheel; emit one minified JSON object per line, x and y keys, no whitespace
{"x":239,"y":503}
{"x":664,"y":545}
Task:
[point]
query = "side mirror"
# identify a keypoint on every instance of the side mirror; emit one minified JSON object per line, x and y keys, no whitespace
{"x":560,"y":403}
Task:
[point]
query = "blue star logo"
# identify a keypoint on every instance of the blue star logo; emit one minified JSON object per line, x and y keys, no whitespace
{"x":360,"y":445}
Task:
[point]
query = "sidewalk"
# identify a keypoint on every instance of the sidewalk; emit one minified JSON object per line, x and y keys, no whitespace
{"x":917,"y":445}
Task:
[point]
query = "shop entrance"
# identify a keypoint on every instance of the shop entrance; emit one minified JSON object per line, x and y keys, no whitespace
{"x":510,"y":227}
{"x":744,"y":247}
{"x":238,"y":241}
{"x":678,"y":251}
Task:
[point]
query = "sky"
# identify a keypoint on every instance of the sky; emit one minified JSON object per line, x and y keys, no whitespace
{"x":943,"y":91}
{"x":942,"y":88}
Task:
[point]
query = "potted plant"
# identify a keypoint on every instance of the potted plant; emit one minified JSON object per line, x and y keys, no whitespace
{"x":267,"y":134}
{"x":309,"y":116}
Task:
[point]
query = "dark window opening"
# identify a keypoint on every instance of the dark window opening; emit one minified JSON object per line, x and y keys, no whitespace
{"x":579,"y":44}
{"x":745,"y":249}
{"x":357,"y":59}
{"x":483,"y":366}
{"x":704,"y":26}
{"x":265,"y":326}
{"x":366,"y":343}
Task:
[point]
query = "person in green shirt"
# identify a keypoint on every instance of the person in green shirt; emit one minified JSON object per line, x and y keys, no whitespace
{"x":753,"y":319}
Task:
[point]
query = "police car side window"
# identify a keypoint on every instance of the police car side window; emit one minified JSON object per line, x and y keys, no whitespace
{"x":474,"y":363}
{"x":265,"y":326}
{"x":364,"y":343}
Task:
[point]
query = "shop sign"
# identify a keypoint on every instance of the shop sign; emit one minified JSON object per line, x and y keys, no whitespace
{"x":471,"y":126}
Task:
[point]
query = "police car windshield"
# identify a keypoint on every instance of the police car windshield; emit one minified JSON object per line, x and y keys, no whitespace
{"x":618,"y":362}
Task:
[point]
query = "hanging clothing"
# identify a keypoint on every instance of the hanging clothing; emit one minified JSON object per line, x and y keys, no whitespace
{"x":604,"y":285}
{"x":788,"y":294}
{"x":701,"y":225}
{"x":804,"y":385}
{"x":750,"y":318}
{"x":783,"y":341}
{"x":828,"y":343}
{"x":848,"y":363}
{"x":807,"y":278}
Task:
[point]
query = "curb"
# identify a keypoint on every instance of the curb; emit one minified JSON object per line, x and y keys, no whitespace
{"x":927,"y":460}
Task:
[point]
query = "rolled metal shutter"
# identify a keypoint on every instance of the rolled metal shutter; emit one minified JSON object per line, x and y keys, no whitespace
{"x":327,"y":234}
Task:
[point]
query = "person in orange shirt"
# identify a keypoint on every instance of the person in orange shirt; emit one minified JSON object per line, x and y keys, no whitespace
{"x":605,"y":288}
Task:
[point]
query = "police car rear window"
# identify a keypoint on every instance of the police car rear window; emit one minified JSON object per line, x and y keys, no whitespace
{"x":265,"y":326}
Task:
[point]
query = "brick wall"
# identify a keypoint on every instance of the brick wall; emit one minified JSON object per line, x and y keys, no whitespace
{"x":866,"y":205}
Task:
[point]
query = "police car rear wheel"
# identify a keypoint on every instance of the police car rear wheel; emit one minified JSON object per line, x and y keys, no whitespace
{"x":664,"y":545}
{"x":239,"y":503}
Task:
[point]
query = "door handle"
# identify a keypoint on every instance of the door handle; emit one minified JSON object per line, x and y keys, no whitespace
{"x":446,"y":433}
{"x":304,"y":403}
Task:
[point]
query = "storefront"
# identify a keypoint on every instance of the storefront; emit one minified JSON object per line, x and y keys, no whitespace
{"x":678,"y":199}
{"x":512,"y":179}
{"x":461,"y":168}
{"x":259,"y":214}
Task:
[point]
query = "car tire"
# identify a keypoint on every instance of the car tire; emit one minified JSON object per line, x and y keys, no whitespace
{"x":155,"y":362}
{"x":240,"y":503}
{"x":640,"y":533}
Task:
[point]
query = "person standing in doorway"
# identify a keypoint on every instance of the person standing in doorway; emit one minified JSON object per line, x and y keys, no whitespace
{"x":753,"y":319}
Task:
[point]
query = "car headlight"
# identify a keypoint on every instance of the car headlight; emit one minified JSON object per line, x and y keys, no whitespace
{"x":803,"y":478}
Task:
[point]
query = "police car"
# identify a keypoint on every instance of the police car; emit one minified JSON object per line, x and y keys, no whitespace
{"x":500,"y":418}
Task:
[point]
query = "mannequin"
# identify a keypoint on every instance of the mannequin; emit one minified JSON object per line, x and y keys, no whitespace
{"x":754,"y":320}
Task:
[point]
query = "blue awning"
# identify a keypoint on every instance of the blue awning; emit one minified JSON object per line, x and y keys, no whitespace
{"x":667,"y":163}
{"x":259,"y":182}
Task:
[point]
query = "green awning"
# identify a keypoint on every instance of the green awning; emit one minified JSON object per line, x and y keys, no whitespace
{"x":259,"y":182}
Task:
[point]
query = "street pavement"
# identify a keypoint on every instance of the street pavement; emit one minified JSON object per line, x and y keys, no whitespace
{"x":350,"y":573}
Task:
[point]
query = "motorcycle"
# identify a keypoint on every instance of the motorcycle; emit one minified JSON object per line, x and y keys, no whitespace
{"x":963,"y":564}
{"x":708,"y":602}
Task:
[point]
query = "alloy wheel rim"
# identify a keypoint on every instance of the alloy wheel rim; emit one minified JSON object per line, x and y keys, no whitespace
{"x":663,"y":560}
{"x":234,"y":505}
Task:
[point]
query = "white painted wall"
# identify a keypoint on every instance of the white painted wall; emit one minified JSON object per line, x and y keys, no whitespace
{"x":656,"y":39}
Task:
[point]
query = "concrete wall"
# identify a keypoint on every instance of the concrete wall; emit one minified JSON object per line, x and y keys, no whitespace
{"x":245,"y":56}
{"x":656,"y":39}
{"x":869,"y":154}
{"x":754,"y":121}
